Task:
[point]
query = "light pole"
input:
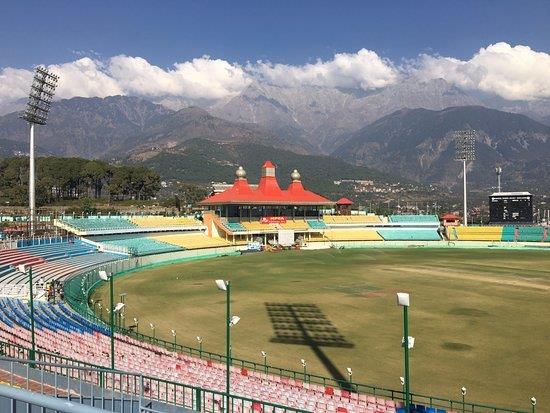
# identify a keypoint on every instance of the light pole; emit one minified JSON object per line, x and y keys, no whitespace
{"x":106,"y":277}
{"x":304,"y":365}
{"x":229,"y":322}
{"x":465,"y":152}
{"x":350,"y":374}
{"x":152,"y":327}
{"x":403,"y":300}
{"x":199,"y":339}
{"x":174,"y":335}
{"x":533,"y":403}
{"x":136,"y":323}
{"x":264,"y":355}
{"x":463,"y":391}
{"x":36,"y":113}
{"x":498,"y":171}
{"x":31,"y":307}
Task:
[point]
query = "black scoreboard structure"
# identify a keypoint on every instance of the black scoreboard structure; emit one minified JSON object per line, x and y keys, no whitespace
{"x":511,"y":208}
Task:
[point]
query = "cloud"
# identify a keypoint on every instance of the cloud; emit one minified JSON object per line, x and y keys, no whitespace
{"x":514,"y":73}
{"x":201,"y":78}
{"x":362,"y":70}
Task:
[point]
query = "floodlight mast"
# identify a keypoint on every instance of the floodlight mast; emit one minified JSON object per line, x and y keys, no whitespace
{"x":465,"y":152}
{"x":36,"y":113}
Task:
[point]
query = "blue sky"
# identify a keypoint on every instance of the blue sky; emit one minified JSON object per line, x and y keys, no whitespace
{"x":293,"y":32}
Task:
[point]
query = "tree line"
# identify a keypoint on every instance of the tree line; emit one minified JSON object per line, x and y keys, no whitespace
{"x":74,"y":178}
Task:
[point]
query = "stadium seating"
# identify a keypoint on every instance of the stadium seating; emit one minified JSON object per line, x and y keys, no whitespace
{"x":414,"y":219}
{"x":316,"y":224}
{"x":142,"y":245}
{"x":58,"y":330}
{"x":352,"y":235}
{"x":531,"y":234}
{"x":191,"y":241}
{"x":106,"y":223}
{"x":409,"y":234}
{"x":295,"y":224}
{"x":258,"y":226}
{"x":234,"y":226}
{"x":508,"y":233}
{"x":161,"y":221}
{"x":482,"y":233}
{"x":351,"y":219}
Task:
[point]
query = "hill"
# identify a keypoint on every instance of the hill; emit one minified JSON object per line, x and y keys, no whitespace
{"x":112,"y":126}
{"x":418,"y":144}
{"x":204,"y":161}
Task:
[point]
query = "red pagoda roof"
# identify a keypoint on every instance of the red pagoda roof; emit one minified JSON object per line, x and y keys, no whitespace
{"x":268,"y":191}
{"x":344,"y":201}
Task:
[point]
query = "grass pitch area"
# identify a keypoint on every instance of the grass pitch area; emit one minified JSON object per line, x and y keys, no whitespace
{"x":481,"y":318}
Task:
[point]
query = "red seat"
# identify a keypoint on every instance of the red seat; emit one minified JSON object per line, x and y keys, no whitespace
{"x":329,"y":391}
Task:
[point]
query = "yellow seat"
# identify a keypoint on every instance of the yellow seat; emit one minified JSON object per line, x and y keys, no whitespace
{"x":485,"y":233}
{"x":162,"y":222}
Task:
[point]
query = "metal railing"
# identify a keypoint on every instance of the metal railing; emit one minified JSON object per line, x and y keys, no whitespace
{"x":115,"y":390}
{"x":80,"y":287}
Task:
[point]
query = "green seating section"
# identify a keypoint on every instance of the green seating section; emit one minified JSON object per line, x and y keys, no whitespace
{"x":414,"y":219}
{"x":508,"y":233}
{"x":235,"y":226}
{"x":531,"y":234}
{"x":316,"y":224}
{"x":143,"y":245}
{"x":99,"y":223}
{"x":403,"y":234}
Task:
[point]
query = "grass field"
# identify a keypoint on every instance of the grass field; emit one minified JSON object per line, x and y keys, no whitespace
{"x":481,"y":318}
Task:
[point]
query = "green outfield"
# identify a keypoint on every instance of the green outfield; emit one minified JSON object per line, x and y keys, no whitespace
{"x":481,"y":318}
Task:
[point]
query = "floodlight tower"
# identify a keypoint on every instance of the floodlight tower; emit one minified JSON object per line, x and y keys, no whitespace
{"x":465,"y":152}
{"x":38,"y":106}
{"x":498,"y":171}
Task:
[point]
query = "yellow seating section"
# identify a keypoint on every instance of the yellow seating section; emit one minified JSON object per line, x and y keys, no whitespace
{"x":352,"y":235}
{"x":192,"y":241}
{"x":257,"y":226}
{"x":351,"y":219}
{"x":295,"y":224}
{"x":487,"y":233}
{"x":160,"y":221}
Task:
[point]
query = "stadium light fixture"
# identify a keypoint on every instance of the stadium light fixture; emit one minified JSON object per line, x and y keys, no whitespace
{"x":111,"y":311}
{"x":152,"y":327}
{"x":199,"y":340}
{"x":533,"y":403}
{"x":463,"y":391}
{"x":119,"y":307}
{"x":136,"y":323}
{"x":350,"y":374}
{"x":174,"y":335}
{"x":264,"y":355}
{"x":304,"y":365}
{"x":222,"y":285}
{"x":498,"y":171}
{"x":403,"y":300}
{"x":36,"y":113}
{"x":465,"y":152}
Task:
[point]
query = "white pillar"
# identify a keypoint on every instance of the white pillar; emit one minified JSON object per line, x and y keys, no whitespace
{"x":465,"y":223}
{"x":32,"y":203}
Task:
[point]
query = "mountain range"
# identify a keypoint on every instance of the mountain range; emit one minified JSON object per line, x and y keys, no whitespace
{"x":405,"y":129}
{"x":113,"y":126}
{"x":418,"y":144}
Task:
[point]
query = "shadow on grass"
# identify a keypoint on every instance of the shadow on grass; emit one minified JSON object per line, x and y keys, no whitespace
{"x":306,"y":324}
